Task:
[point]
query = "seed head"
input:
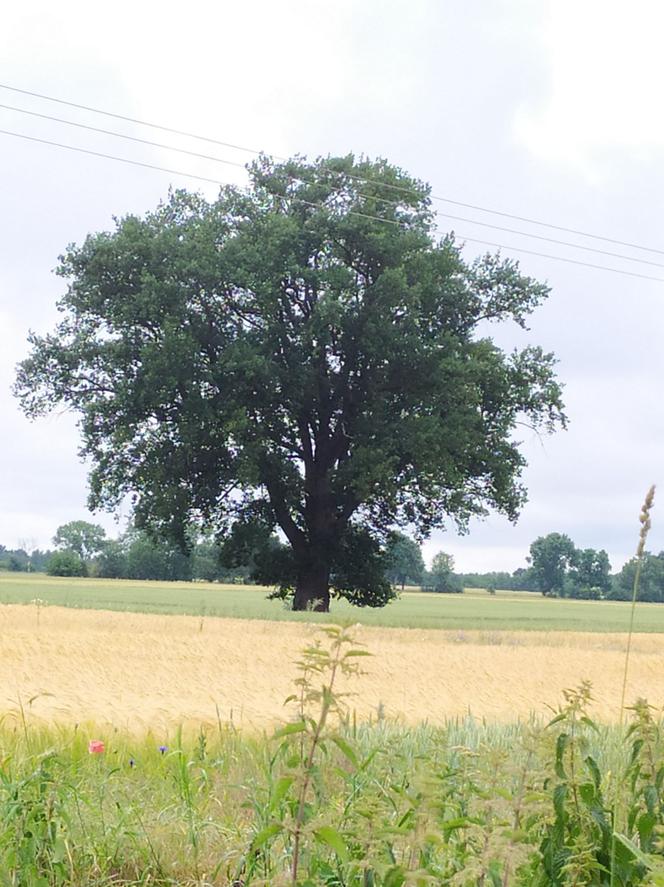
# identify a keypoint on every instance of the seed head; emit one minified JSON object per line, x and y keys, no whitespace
{"x":644,"y":518}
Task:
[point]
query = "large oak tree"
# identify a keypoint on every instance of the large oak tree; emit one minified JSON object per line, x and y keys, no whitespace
{"x":304,"y":355}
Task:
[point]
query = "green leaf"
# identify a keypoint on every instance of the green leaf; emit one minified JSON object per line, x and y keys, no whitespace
{"x":645,"y":825}
{"x":561,"y":744}
{"x":395,"y":877}
{"x":280,"y":791}
{"x":624,"y":842}
{"x":289,"y":729}
{"x":59,"y":853}
{"x":327,"y":835}
{"x":346,"y":749}
{"x":594,"y":770}
{"x":265,"y":834}
{"x":589,"y":723}
{"x":559,"y":798}
{"x":450,"y":825}
{"x":651,"y":797}
{"x":588,"y":793}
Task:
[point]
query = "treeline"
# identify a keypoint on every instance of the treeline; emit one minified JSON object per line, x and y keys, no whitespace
{"x":19,"y":560}
{"x":556,"y":567}
{"x":520,"y":580}
{"x":83,"y":549}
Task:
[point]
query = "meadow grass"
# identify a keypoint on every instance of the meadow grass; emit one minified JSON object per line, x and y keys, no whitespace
{"x":474,"y":609}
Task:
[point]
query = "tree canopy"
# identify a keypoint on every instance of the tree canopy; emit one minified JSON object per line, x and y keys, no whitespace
{"x":302,"y":355}
{"x":561,"y":569}
{"x":551,"y":557}
{"x":404,"y":559}
{"x":85,"y":539}
{"x":441,"y":576}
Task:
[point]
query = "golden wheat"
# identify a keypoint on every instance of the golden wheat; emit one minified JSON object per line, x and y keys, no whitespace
{"x":141,"y":672}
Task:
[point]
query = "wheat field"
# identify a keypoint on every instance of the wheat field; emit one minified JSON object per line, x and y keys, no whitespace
{"x":142,"y":672}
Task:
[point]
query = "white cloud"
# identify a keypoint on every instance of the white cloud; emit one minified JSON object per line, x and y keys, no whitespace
{"x":605,"y":70}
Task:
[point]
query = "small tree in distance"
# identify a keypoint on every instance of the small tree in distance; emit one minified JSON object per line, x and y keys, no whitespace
{"x":441,"y":578}
{"x":551,"y":557}
{"x":404,"y":559}
{"x":85,"y":539}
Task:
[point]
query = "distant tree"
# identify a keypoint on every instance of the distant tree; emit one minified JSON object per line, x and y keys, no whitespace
{"x":651,"y":582}
{"x":149,"y":558}
{"x":441,"y":577}
{"x":206,"y":563}
{"x":404,"y":558}
{"x":28,"y":545}
{"x":17,"y":564}
{"x":309,"y":343}
{"x":18,"y":560}
{"x":112,"y":562}
{"x":497,"y":579}
{"x":589,"y":574}
{"x":551,"y":558}
{"x":66,"y":563}
{"x":39,"y":559}
{"x":523,"y":580}
{"x":83,"y":538}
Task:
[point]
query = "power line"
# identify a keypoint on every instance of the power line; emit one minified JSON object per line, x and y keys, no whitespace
{"x":591,"y":249}
{"x":179,"y":132}
{"x":400,"y":188}
{"x":531,"y":252}
{"x":315,"y":205}
{"x":121,"y":135}
{"x":18,"y":135}
{"x":222,"y":160}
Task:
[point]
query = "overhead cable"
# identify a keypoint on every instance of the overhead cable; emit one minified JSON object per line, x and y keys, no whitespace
{"x":214,"y":181}
{"x":215,"y":159}
{"x":401,"y":188}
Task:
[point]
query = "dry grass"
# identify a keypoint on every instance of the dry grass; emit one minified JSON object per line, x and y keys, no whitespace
{"x":141,"y":672}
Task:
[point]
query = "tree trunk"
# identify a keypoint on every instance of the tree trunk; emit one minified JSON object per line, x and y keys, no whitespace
{"x":312,"y":591}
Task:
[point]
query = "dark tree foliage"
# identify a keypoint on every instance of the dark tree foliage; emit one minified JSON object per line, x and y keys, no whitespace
{"x":551,"y":557}
{"x":651,"y":581}
{"x":560,"y":569}
{"x":112,"y":562}
{"x":590,"y":574}
{"x":83,"y":538}
{"x":520,"y":580}
{"x":404,"y":560}
{"x":441,"y":578}
{"x":66,"y":563}
{"x":20,"y":561}
{"x":303,"y":355}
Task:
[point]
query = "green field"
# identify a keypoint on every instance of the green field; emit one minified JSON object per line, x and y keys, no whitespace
{"x":474,"y":609}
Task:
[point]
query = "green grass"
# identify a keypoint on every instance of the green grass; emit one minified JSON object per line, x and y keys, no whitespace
{"x":472,"y":610}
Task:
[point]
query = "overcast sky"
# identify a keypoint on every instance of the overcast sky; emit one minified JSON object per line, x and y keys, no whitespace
{"x":546,"y":110}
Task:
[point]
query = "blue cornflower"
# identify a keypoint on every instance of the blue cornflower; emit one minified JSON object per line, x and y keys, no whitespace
{"x":163,"y":749}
